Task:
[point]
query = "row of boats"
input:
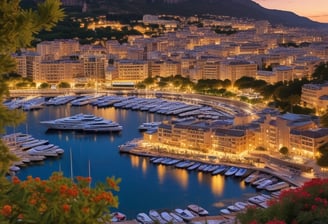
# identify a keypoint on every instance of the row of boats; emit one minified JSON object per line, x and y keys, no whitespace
{"x":154,"y":105}
{"x":177,"y":215}
{"x":29,"y":149}
{"x":261,"y":181}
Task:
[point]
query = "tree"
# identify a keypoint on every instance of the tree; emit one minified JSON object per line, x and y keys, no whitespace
{"x":17,"y":29}
{"x":322,"y":160}
{"x":324,"y":120}
{"x":293,"y":100}
{"x":320,"y":74}
{"x":63,"y":85}
{"x":283,"y":150}
{"x":44,"y":85}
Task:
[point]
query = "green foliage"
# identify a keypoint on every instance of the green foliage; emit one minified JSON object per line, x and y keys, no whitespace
{"x":57,"y":200}
{"x":19,"y":26}
{"x":228,"y":30}
{"x":283,"y":150}
{"x":322,"y":160}
{"x":250,"y":83}
{"x":44,"y":85}
{"x":320,"y":74}
{"x":324,"y":120}
{"x":63,"y":85}
{"x":260,"y":148}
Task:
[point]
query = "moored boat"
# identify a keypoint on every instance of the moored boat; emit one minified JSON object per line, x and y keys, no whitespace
{"x":167,"y":217}
{"x":118,"y":217}
{"x":241,"y":172}
{"x":197,"y":209}
{"x":144,"y":218}
{"x":232,"y":170}
{"x":251,"y":178}
{"x":176,"y":217}
{"x":278,"y":186}
{"x":183,"y":214}
{"x":153,"y":214}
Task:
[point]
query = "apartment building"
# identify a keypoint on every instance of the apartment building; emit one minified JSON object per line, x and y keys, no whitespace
{"x":315,"y":96}
{"x":192,"y":134}
{"x":55,"y":50}
{"x":94,"y":67}
{"x":275,"y":130}
{"x":229,"y":140}
{"x":164,"y":68}
{"x":299,"y":133}
{"x":235,"y":69}
{"x":131,"y":70}
{"x":283,"y":73}
{"x":57,"y":71}
{"x":307,"y":142}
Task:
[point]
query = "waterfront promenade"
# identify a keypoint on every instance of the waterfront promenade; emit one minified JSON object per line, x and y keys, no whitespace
{"x":296,"y":178}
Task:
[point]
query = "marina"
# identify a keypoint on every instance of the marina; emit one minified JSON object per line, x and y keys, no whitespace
{"x":177,"y":186}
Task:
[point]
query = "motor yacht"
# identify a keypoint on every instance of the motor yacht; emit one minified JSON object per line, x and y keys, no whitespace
{"x":83,"y":122}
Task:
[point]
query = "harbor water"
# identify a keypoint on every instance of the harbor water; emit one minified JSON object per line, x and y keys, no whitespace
{"x":144,"y":185}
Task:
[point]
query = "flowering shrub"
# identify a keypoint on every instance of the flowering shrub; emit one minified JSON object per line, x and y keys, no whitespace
{"x":56,"y":200}
{"x":303,"y":205}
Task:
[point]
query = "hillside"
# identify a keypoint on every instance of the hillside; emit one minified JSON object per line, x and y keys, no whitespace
{"x":235,"y":8}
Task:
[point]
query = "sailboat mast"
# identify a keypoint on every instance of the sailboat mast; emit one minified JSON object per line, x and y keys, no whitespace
{"x":89,"y":170}
{"x":71,"y":163}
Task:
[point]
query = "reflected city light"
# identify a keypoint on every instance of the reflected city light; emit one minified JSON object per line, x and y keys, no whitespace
{"x":242,"y":184}
{"x":66,"y":138}
{"x":135,"y":161}
{"x":217,"y":184}
{"x":161,"y":170}
{"x":111,"y":138}
{"x":200,"y":177}
{"x":144,"y":166}
{"x":181,"y":176}
{"x":110,"y":114}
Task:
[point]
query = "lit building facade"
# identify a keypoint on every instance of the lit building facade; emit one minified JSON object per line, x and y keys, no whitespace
{"x":235,"y":69}
{"x":131,"y":70}
{"x":315,"y":96}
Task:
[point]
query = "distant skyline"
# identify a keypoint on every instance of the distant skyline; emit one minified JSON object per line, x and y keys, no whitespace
{"x":316,"y":10}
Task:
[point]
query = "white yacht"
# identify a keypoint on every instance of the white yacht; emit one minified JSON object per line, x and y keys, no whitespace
{"x":83,"y":122}
{"x":149,"y":126}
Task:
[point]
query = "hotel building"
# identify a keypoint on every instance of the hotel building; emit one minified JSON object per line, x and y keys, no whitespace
{"x":235,"y":69}
{"x":299,"y":133}
{"x":315,"y":96}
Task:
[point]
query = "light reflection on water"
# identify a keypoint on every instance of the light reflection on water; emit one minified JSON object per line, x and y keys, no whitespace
{"x":144,"y":185}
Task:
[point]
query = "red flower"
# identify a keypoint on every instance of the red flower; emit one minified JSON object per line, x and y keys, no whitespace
{"x":6,"y":210}
{"x":66,"y":208}
{"x":276,"y":222}
{"x":15,"y":180}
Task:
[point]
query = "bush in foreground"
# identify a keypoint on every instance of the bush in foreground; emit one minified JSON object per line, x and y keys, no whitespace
{"x":56,"y":200}
{"x":303,"y":205}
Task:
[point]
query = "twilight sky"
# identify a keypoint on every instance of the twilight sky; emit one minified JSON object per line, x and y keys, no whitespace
{"x":316,"y":10}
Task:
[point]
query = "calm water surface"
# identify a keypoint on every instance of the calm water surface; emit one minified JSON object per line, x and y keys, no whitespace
{"x":144,"y":185}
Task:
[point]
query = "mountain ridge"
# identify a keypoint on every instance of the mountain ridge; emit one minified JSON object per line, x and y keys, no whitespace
{"x":234,"y":8}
